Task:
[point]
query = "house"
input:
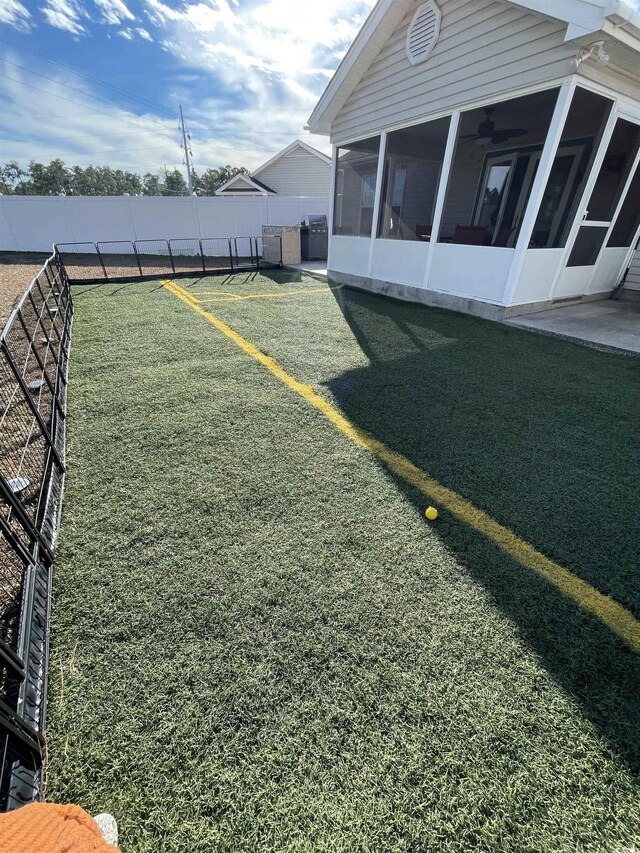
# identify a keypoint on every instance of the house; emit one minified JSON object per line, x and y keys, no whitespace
{"x":298,"y":170}
{"x":486,"y":152}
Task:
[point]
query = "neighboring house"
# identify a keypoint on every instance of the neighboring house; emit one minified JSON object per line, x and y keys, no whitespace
{"x":298,"y":170}
{"x":486,"y":152}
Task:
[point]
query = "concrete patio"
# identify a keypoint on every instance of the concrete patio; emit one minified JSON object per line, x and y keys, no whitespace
{"x":313,"y":267}
{"x":603,"y":324}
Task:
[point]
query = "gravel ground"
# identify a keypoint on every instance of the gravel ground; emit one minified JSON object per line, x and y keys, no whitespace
{"x":16,"y":271}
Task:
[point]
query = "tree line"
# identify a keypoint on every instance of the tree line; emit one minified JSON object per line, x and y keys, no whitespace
{"x":56,"y":177}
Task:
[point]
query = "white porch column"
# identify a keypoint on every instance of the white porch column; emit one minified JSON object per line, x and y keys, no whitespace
{"x":332,"y":201}
{"x":547,"y":157}
{"x":442,"y":192}
{"x":377,"y":199}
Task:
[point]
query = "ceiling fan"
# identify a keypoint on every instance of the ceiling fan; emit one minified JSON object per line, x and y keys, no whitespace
{"x":487,"y":133}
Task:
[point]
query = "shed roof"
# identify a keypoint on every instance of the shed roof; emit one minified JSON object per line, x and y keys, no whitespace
{"x":244,"y":184}
{"x":617,"y":19}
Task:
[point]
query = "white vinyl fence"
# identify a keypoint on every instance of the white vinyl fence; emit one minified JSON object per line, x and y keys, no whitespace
{"x":34,"y":223}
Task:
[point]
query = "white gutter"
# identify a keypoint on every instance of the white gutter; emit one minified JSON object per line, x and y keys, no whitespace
{"x":613,"y":18}
{"x":622,"y":13}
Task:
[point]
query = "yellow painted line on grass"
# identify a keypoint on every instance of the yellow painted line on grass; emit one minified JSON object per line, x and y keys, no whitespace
{"x":224,"y":293}
{"x":612,"y":614}
{"x":237,"y":297}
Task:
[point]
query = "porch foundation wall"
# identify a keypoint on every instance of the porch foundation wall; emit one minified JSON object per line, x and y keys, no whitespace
{"x":437,"y":299}
{"x":422,"y":295}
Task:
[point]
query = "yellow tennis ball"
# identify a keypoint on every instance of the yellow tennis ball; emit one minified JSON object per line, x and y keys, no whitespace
{"x":431,"y":513}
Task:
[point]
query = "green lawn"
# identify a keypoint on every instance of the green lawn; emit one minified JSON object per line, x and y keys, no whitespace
{"x":259,"y":644}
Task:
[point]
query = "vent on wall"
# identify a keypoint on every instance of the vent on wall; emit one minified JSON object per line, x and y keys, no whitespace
{"x":423,"y":32}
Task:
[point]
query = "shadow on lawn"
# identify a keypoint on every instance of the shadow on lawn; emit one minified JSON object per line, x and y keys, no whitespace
{"x":194,"y":283}
{"x":543,"y":436}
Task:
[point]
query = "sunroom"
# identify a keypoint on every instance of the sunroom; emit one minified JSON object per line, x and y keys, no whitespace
{"x":509,"y":202}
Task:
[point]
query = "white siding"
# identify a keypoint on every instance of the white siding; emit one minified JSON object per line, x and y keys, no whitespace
{"x":485,"y":48}
{"x":633,"y":276}
{"x":298,"y":173}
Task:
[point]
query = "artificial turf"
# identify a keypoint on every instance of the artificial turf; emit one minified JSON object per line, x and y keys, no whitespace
{"x":258,"y":643}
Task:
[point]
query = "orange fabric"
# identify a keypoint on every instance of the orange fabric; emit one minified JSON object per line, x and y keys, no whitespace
{"x":50,"y":828}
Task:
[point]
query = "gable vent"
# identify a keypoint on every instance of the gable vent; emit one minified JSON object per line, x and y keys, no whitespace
{"x":423,"y":32}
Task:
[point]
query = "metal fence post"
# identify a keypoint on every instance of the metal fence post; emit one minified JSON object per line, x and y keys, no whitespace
{"x":104,"y":269}
{"x":204,"y":269}
{"x":230,"y":255}
{"x":173,"y":266}
{"x":135,"y":251}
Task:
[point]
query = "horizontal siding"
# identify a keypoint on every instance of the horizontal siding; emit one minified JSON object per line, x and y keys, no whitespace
{"x":485,"y":48}
{"x":461,"y":26}
{"x":298,"y":173}
{"x":633,"y":276}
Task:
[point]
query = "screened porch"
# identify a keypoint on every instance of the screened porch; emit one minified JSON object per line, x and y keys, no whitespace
{"x":516,"y":202}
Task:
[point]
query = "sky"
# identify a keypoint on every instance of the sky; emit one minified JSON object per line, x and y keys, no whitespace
{"x":100,"y":81}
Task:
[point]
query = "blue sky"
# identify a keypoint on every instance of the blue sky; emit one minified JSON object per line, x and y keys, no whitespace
{"x":247,"y":72}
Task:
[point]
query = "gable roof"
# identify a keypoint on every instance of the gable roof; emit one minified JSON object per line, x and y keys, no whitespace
{"x":244,"y":184}
{"x":297,"y":143}
{"x":618,"y":18}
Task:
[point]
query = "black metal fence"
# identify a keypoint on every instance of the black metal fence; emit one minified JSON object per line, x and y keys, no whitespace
{"x":34,"y":352}
{"x":123,"y":260}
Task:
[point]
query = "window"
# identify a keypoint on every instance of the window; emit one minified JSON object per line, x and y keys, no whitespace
{"x":399,"y":186}
{"x":628,"y":221}
{"x":368,"y":189}
{"x":494,"y":165}
{"x":412,"y":166}
{"x":613,"y":174}
{"x":578,"y":145}
{"x":356,"y":187}
{"x":493,"y":190}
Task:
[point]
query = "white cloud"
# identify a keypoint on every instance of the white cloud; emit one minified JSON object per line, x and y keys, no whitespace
{"x":65,"y":15}
{"x":15,"y":14}
{"x":270,"y":54}
{"x":130,"y":34}
{"x":266,"y":64}
{"x":114,"y":11}
{"x":90,"y":132}
{"x":95,"y":133}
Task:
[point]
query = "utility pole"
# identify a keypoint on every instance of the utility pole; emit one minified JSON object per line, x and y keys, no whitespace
{"x":187,"y":150}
